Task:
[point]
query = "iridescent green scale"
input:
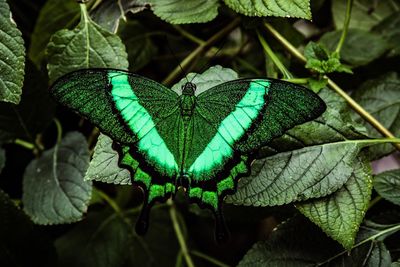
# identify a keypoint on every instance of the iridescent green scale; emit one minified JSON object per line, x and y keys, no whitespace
{"x":202,"y":142}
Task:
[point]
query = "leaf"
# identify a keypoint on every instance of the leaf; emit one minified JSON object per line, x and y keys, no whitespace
{"x":340,"y":214}
{"x":185,"y":11}
{"x":277,"y":8}
{"x":141,"y":49}
{"x":320,"y":60}
{"x":317,"y":84}
{"x":364,"y":14}
{"x":380,"y":97}
{"x":87,"y":46}
{"x":104,"y":165}
{"x":12,"y":57}
{"x":389,"y":29}
{"x":54,"y":191}
{"x":105,"y":239}
{"x":387,"y":184}
{"x":33,"y":114}
{"x":21,"y":242}
{"x":298,"y":243}
{"x":109,"y":12}
{"x":54,"y":15}
{"x":359,"y":48}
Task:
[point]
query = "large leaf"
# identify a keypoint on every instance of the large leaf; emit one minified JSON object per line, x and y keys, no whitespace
{"x":360,"y":47}
{"x":381,"y":98}
{"x":87,"y":46}
{"x":185,"y":11}
{"x":387,"y":184}
{"x":341,"y":213}
{"x":21,"y":243}
{"x":12,"y":57}
{"x":54,"y":15}
{"x":105,"y":239}
{"x":33,"y":114}
{"x":389,"y":29}
{"x":364,"y":15}
{"x":104,"y":165}
{"x":277,"y":8}
{"x":298,"y":243}
{"x":54,"y":191}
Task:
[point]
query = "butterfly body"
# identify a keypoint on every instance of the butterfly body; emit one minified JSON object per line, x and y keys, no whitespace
{"x":203,"y":142}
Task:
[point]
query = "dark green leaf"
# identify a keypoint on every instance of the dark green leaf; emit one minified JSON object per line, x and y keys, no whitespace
{"x":33,"y":114}
{"x":340,"y":214}
{"x":141,"y":49}
{"x":21,"y":243}
{"x":381,"y":98}
{"x":317,"y":84}
{"x":359,"y":48}
{"x":87,"y":46}
{"x":387,"y":184}
{"x":55,"y":15}
{"x":12,"y":57}
{"x":54,"y":191}
{"x":389,"y":29}
{"x":298,"y":243}
{"x":185,"y":11}
{"x":364,"y":15}
{"x":104,"y":165}
{"x":292,"y":8}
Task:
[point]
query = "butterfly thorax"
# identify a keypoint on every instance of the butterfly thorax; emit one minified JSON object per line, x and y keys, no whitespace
{"x":188,"y":100}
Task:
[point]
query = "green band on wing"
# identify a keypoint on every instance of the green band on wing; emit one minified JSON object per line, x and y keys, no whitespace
{"x":141,"y":123}
{"x":231,"y":129}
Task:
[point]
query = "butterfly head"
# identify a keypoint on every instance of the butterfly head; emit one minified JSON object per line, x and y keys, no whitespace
{"x":188,"y":88}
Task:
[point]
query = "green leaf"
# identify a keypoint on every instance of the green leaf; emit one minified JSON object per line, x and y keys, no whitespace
{"x":55,"y":15}
{"x":104,"y":165}
{"x":298,"y":243}
{"x":387,"y":184}
{"x":277,"y":8}
{"x":381,"y":98}
{"x":360,"y":47}
{"x":389,"y":29}
{"x":12,"y":57}
{"x":87,"y":46}
{"x":141,"y":49}
{"x":108,"y":239}
{"x":185,"y":11}
{"x":364,"y":15}
{"x":33,"y":114}
{"x":317,"y":84}
{"x":340,"y":214}
{"x":109,"y":12}
{"x":21,"y":242}
{"x":54,"y":191}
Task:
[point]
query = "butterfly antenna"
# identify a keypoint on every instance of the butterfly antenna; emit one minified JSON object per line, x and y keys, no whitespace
{"x":175,"y":58}
{"x":211,"y":58}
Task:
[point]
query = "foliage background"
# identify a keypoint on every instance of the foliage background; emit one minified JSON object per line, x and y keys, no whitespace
{"x":65,"y":202}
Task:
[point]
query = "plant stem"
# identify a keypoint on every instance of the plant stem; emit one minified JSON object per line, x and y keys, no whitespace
{"x":347,"y":18}
{"x":274,"y":58}
{"x":297,"y":80}
{"x":374,"y":201}
{"x":185,"y":62}
{"x":353,"y":104}
{"x":59,"y":130}
{"x":179,"y":234}
{"x":109,"y":201}
{"x":208,"y":258}
{"x":371,"y":238}
{"x":24,"y":143}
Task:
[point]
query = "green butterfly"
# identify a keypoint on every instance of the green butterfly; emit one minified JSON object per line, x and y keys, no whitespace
{"x":203,"y":142}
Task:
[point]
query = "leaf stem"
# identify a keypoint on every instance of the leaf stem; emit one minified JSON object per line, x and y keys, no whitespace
{"x":109,"y":201}
{"x":371,"y":238}
{"x":179,"y":234}
{"x":185,"y":62}
{"x":345,"y":29}
{"x":274,"y":58}
{"x":24,"y":143}
{"x":59,"y":129}
{"x":353,"y":104}
{"x":208,"y":258}
{"x":297,"y":80}
{"x":374,"y":201}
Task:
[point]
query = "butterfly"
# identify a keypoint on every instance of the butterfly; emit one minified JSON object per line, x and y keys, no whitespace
{"x":203,"y":142}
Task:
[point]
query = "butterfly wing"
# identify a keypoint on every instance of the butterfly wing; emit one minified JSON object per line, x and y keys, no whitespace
{"x":134,"y":111}
{"x":232,"y":120}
